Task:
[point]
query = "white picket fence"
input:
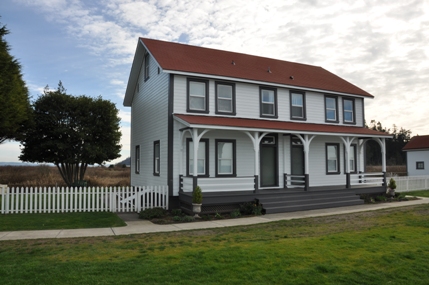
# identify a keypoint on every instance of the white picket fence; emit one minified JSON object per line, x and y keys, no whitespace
{"x":82,"y":199}
{"x":410,"y":183}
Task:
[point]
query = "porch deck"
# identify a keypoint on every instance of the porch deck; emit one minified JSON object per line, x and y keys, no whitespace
{"x":281,"y":200}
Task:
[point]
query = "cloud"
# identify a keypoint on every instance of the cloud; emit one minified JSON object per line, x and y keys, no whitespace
{"x":382,"y":46}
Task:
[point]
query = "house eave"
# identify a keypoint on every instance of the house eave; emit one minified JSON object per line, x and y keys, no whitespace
{"x":135,"y":72}
{"x":279,"y":131}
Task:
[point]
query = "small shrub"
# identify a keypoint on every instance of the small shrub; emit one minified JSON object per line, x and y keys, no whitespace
{"x":188,"y":219}
{"x":177,"y":218}
{"x":381,"y":198}
{"x":236,"y":213}
{"x":251,"y":208}
{"x":197,"y":195}
{"x":218,"y":216}
{"x":153,"y":213}
{"x":401,"y":196}
{"x":177,"y":212}
{"x":206,"y":217}
{"x":392,"y":184}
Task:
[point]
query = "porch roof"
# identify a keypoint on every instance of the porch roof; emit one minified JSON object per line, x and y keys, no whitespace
{"x":228,"y":123}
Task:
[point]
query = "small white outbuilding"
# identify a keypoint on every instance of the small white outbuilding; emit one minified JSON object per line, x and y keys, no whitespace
{"x":417,"y":150}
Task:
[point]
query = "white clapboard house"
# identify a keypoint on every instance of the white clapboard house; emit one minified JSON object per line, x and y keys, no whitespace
{"x":245,"y":127}
{"x":417,"y":150}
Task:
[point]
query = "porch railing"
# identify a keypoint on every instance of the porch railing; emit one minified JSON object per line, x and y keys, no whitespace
{"x":294,"y":181}
{"x":216,"y":184}
{"x":371,"y":178}
{"x":82,"y":199}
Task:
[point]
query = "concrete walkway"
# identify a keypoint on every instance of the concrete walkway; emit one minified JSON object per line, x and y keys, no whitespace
{"x":136,"y":226}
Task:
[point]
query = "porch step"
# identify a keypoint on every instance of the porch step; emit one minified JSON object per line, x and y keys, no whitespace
{"x":291,"y":202}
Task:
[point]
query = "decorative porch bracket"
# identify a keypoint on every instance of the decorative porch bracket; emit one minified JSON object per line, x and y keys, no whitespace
{"x":196,"y":140}
{"x":256,"y":138}
{"x":306,"y":140}
{"x":347,"y":143}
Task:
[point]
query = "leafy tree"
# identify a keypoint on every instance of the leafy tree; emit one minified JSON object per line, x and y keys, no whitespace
{"x":72,"y":132}
{"x":394,"y":153}
{"x":14,"y":100}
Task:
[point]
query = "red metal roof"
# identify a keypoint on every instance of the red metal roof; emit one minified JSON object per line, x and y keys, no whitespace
{"x":417,"y":142}
{"x":278,"y":125}
{"x":193,"y":59}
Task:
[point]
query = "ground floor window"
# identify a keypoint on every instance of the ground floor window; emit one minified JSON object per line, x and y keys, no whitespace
{"x":332,"y":162}
{"x":137,"y":159}
{"x":156,"y":158}
{"x":420,"y":165}
{"x":202,"y":159}
{"x":352,"y":159}
{"x":225,"y":158}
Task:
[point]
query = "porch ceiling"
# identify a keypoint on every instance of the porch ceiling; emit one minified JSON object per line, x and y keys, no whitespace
{"x":227,"y":123}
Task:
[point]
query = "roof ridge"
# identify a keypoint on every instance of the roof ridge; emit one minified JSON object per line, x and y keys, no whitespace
{"x":234,"y":52}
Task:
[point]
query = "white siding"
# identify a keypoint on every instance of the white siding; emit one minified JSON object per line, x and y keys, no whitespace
{"x":247,"y":102}
{"x":149,"y":117}
{"x":360,"y":120}
{"x":245,"y":157}
{"x":413,"y":157}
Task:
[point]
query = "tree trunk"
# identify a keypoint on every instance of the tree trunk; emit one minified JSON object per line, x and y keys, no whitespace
{"x":72,"y":172}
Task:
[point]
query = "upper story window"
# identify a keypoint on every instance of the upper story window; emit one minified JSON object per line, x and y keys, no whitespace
{"x":349,"y":111}
{"x":225,"y":98}
{"x":268,"y":102}
{"x":146,"y":66}
{"x":297,"y":105}
{"x":198,"y":98}
{"x":331,"y":113}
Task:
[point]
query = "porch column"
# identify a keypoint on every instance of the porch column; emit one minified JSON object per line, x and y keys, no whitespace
{"x":382,"y":143}
{"x":347,"y":143}
{"x":196,"y":140}
{"x":256,"y":138}
{"x":306,"y":140}
{"x":361,"y":155}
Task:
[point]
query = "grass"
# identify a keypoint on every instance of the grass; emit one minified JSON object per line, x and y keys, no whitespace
{"x":18,"y":222}
{"x":421,"y":193}
{"x":48,"y":176}
{"x":376,"y":247}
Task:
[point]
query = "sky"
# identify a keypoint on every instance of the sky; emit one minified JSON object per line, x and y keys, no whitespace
{"x":382,"y":46}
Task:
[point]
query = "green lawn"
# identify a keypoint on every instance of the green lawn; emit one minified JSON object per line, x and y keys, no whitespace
{"x":421,"y":193}
{"x":17,"y":222}
{"x":376,"y":247}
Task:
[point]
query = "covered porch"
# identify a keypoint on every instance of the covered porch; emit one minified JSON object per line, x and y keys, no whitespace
{"x":293,"y":151}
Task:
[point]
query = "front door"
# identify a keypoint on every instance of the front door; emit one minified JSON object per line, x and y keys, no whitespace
{"x":268,"y":160}
{"x":297,"y":160}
